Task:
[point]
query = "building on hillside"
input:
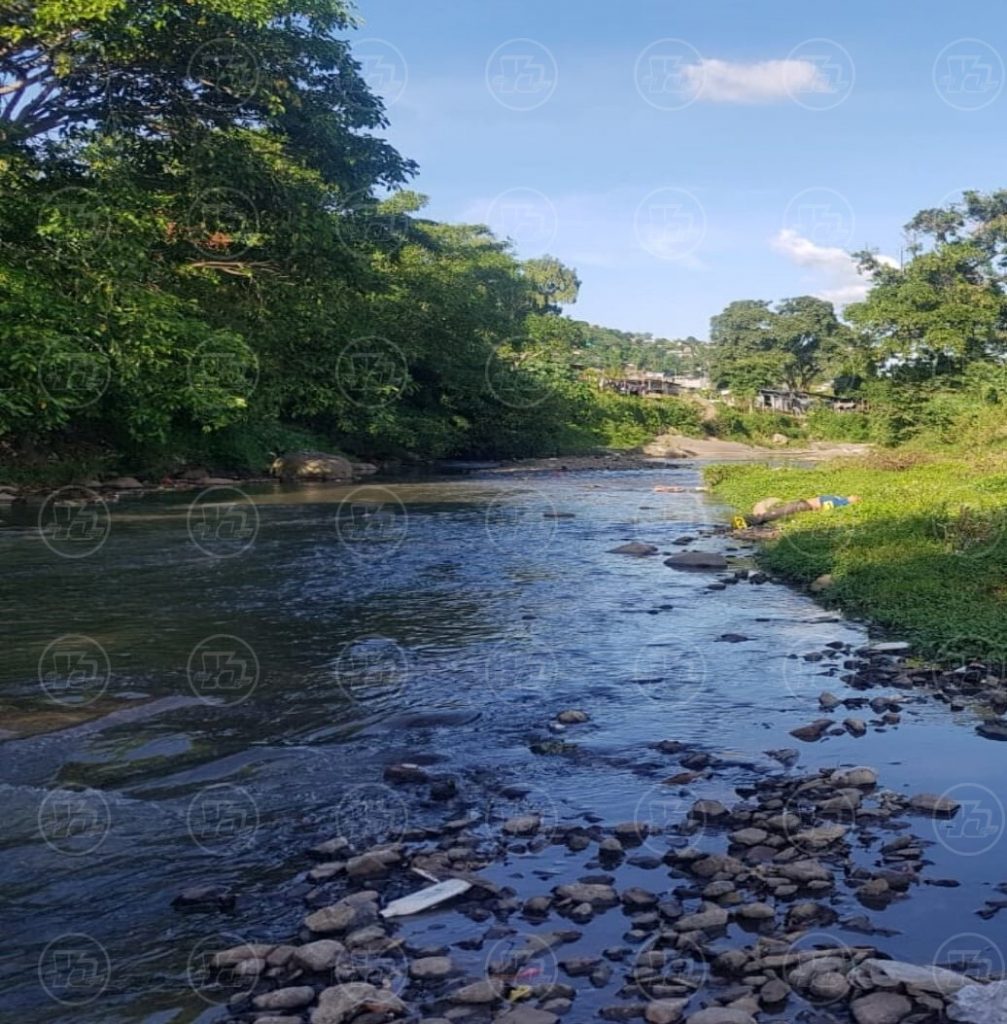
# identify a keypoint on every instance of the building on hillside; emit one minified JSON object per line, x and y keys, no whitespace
{"x":800,"y":403}
{"x":795,"y":403}
{"x":649,"y":383}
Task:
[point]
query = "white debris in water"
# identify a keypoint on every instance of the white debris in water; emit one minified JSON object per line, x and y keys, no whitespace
{"x":980,"y":1004}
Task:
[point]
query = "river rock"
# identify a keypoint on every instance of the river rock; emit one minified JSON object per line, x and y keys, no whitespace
{"x":774,"y":992}
{"x":353,"y":911}
{"x":522,"y":825}
{"x":320,"y":955}
{"x":405,"y":773}
{"x":236,"y":954}
{"x":855,"y":726}
{"x":285,"y":998}
{"x":859,"y":776}
{"x":573,"y":716}
{"x":829,"y":985}
{"x":373,"y":863}
{"x":123,"y":483}
{"x":804,"y":871}
{"x":341,"y":1002}
{"x":756,"y":912}
{"x":476,"y":994}
{"x":708,"y":810}
{"x":311,"y":466}
{"x":525,"y":1015}
{"x":707,"y":919}
{"x":635,"y":548}
{"x":827,"y":701}
{"x":748,"y":836}
{"x":665,"y":1011}
{"x":595,"y":894}
{"x":696,"y":560}
{"x":881,"y":1008}
{"x":812,"y":731}
{"x":932,"y":804}
{"x":430,"y":968}
{"x":720,"y":1015}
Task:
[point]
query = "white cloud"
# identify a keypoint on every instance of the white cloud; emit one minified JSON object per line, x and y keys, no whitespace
{"x":721,"y":81}
{"x":832,"y":269}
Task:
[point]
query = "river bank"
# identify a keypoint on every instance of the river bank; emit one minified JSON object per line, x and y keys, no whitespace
{"x":459,"y":644}
{"x":923,"y":554}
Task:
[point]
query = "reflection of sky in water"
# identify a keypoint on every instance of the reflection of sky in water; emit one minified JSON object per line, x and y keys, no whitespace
{"x":477,"y":611}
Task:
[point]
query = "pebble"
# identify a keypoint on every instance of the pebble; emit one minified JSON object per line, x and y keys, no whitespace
{"x":430,"y":968}
{"x":285,"y":998}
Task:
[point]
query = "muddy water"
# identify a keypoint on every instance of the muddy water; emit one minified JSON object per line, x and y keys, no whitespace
{"x":207,"y":694}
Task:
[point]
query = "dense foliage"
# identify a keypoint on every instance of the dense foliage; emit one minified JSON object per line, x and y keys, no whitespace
{"x":206,"y":251}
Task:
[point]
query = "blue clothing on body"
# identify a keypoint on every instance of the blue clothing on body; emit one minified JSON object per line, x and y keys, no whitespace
{"x":833,"y":500}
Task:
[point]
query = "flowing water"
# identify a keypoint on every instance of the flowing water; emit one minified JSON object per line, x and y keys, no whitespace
{"x":214,"y":689}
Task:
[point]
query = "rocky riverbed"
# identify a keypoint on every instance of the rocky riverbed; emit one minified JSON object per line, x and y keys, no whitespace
{"x":708,"y":911}
{"x":667,"y":788}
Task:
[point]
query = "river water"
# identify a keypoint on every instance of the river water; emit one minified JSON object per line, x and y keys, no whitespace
{"x":208,"y":693}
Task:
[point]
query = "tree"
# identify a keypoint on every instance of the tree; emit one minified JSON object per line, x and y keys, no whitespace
{"x":935,"y":315}
{"x":810,"y":337}
{"x":744,"y":348}
{"x":551,"y":283}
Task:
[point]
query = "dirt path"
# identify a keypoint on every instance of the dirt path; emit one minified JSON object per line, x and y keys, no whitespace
{"x":676,"y":446}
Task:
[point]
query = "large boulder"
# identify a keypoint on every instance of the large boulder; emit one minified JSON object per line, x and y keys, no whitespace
{"x":697,"y":560}
{"x":312,"y":466}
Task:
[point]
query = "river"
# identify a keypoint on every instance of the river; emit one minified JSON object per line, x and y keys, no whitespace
{"x":260,"y":674}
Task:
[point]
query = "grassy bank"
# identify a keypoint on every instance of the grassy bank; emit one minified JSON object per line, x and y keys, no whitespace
{"x":924,"y":555}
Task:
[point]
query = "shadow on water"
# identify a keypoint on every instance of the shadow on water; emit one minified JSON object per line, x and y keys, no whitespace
{"x":248,"y":691}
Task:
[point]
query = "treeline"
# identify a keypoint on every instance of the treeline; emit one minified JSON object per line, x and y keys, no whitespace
{"x":207,"y":252}
{"x":926,"y":350}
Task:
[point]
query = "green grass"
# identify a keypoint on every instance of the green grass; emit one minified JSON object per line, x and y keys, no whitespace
{"x":924,"y":555}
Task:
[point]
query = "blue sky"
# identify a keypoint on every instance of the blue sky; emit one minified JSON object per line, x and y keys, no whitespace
{"x":682,"y":155}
